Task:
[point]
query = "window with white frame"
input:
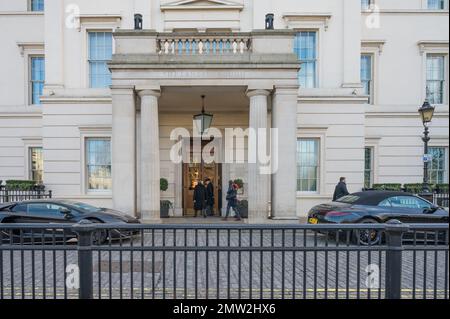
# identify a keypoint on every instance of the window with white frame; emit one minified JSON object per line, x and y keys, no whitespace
{"x":435,"y":78}
{"x":367,"y":75}
{"x":37,"y":78}
{"x":437,"y":4}
{"x":36,"y":164}
{"x":100,"y":53}
{"x":98,"y":164}
{"x":365,"y":4}
{"x":368,"y":167}
{"x":306,"y":50}
{"x":308,"y":163}
{"x":438,"y":167}
{"x":36,"y":5}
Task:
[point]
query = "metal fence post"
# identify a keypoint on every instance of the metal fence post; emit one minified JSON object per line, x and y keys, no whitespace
{"x":394,"y":235}
{"x":84,"y":231}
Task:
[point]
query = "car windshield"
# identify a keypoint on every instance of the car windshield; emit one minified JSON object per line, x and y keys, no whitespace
{"x":83,"y":206}
{"x":349,"y":199}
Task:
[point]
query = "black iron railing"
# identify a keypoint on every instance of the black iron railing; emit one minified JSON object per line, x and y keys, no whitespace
{"x":91,"y":260}
{"x":8,"y":195}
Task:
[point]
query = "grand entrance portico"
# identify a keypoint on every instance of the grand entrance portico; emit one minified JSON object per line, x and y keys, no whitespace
{"x":250,"y":81}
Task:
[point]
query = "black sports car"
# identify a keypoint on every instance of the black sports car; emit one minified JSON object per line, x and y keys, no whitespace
{"x":60,"y":212}
{"x":377,"y":207}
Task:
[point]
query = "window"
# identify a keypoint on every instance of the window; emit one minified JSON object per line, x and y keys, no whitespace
{"x":365,"y":4}
{"x":98,"y":159}
{"x":306,"y":50}
{"x":37,"y":5}
{"x":435,"y":78}
{"x":438,"y":166}
{"x":367,"y":75}
{"x":368,"y":167}
{"x":100,"y":52}
{"x":45,"y":209}
{"x":437,"y":4}
{"x":409,"y":202}
{"x":20,"y":208}
{"x":36,"y":164}
{"x":308,"y":165}
{"x":37,"y":79}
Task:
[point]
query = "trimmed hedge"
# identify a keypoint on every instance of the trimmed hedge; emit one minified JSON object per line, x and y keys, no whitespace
{"x":443,"y":188}
{"x":20,"y":185}
{"x":415,"y":188}
{"x":387,"y":187}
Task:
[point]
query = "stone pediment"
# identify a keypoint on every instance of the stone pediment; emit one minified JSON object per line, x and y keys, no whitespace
{"x":202,"y":4}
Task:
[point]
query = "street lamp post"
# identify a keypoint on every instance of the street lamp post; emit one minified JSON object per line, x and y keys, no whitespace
{"x":426,"y":113}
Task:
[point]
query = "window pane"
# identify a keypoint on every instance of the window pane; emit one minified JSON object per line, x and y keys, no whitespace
{"x":37,"y":5}
{"x":435,"y":79}
{"x":100,"y":52}
{"x":36,"y":164}
{"x":365,"y":4}
{"x":368,"y":167}
{"x":37,"y":79}
{"x":438,"y":166}
{"x":305,"y":47}
{"x":437,"y":4}
{"x":98,"y":161}
{"x":367,"y":75}
{"x":308,"y":165}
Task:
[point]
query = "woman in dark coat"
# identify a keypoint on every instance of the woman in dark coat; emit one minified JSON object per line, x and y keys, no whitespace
{"x":200,"y":198}
{"x":209,"y":197}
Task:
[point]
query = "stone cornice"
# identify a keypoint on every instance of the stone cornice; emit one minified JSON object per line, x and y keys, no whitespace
{"x":299,"y":19}
{"x":76,"y":99}
{"x":207,"y":5}
{"x":408,"y":11}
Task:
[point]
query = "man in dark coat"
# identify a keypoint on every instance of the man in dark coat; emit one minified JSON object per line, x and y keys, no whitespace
{"x":199,"y":198}
{"x":340,"y":190}
{"x":209,"y":197}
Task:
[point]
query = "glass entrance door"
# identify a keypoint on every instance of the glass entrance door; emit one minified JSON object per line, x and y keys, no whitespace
{"x":197,"y":171}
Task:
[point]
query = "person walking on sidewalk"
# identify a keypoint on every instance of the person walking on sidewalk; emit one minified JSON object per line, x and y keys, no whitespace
{"x":199,"y":198}
{"x":341,"y":189}
{"x":232,"y":201}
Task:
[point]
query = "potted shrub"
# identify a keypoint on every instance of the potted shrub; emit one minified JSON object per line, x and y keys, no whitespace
{"x":165,"y":205}
{"x":242,"y":206}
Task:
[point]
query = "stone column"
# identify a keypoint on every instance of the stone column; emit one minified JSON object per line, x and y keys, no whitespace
{"x":284,"y":178}
{"x":150,"y":165}
{"x":258,"y":183}
{"x":124,"y":149}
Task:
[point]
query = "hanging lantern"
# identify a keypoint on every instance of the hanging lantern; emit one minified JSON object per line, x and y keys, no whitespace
{"x":203,"y":120}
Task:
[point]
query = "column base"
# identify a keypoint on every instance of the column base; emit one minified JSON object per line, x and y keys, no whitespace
{"x":151,"y":218}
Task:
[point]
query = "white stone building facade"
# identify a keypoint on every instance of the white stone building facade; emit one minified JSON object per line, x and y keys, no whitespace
{"x":88,"y":104}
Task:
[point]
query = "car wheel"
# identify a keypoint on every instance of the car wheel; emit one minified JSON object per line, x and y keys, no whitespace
{"x":99,"y":237}
{"x":367,"y":237}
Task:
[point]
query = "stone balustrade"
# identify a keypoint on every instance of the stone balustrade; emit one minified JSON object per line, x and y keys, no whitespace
{"x":203,"y":44}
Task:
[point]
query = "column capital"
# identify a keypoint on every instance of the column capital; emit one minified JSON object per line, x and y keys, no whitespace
{"x":257,"y":92}
{"x":287,"y":90}
{"x":148,"y":90}
{"x":122,"y":89}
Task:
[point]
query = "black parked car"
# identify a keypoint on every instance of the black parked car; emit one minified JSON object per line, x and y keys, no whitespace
{"x":60,"y":212}
{"x":373,"y":207}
